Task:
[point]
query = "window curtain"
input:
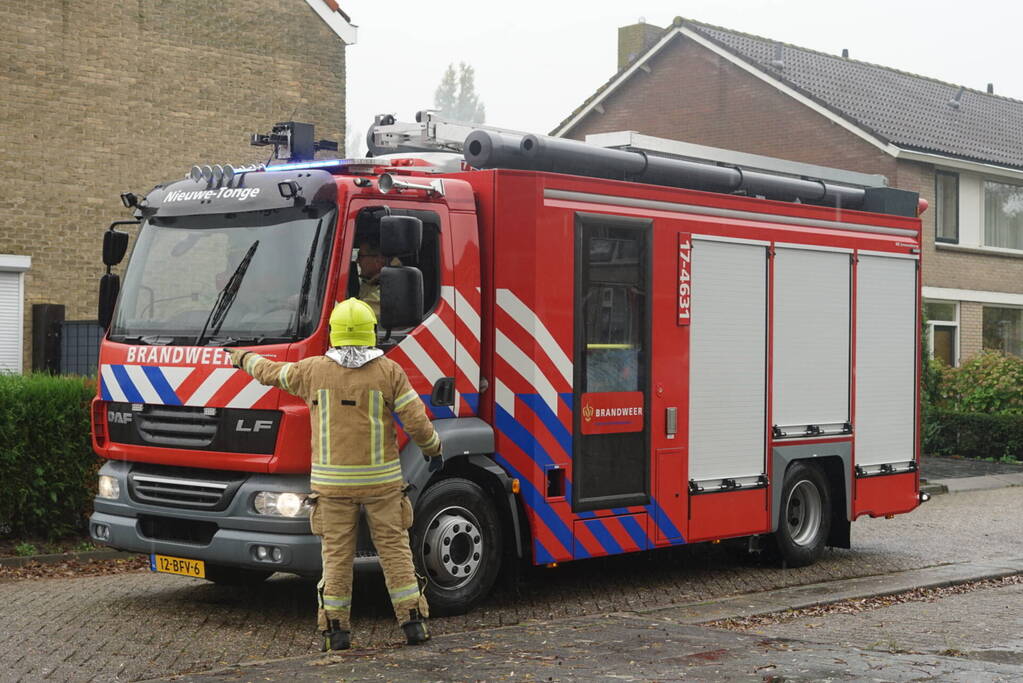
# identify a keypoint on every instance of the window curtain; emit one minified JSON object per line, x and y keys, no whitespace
{"x":1003,"y":215}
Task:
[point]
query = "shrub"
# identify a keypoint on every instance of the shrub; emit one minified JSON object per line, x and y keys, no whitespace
{"x":47,"y":465}
{"x":990,"y":382}
{"x":974,"y":435}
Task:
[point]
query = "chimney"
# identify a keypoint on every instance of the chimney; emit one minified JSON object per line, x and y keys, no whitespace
{"x":636,"y":39}
{"x":990,"y":88}
{"x":845,"y":53}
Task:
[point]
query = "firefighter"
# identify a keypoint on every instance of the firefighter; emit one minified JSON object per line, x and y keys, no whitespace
{"x":351,"y":392}
{"x":371,"y":262}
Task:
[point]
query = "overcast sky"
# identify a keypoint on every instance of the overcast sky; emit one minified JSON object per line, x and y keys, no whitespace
{"x":536,"y":61}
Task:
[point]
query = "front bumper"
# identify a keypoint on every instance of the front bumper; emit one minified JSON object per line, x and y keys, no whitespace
{"x":228,"y":537}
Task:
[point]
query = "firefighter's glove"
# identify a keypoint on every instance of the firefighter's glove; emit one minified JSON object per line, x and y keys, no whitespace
{"x":237,"y":357}
{"x":436,"y":462}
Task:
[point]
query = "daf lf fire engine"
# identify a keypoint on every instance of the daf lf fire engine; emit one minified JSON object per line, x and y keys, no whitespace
{"x":625,"y":344}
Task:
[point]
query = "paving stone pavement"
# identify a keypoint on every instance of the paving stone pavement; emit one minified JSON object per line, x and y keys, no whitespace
{"x":141,"y":625}
{"x":985,"y":625}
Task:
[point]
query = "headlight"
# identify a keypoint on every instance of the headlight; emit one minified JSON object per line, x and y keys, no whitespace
{"x":285,"y":504}
{"x":109,"y":487}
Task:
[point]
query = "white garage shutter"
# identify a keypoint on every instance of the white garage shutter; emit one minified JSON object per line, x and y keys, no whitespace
{"x":886,"y":358}
{"x":728,"y":363}
{"x":10,"y":321}
{"x":811,"y":340}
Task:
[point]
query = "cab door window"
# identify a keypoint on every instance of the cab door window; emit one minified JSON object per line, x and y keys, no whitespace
{"x":368,"y":261}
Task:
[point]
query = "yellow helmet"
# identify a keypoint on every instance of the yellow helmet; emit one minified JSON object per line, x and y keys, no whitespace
{"x":352,"y":323}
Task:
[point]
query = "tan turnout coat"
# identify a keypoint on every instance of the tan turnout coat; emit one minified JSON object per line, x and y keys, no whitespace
{"x":354,"y":441}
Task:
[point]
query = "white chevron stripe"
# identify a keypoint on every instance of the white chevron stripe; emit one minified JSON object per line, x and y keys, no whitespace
{"x":525,"y":366}
{"x":504,"y":397}
{"x":142,"y":384}
{"x":211,"y":386}
{"x":528,"y":320}
{"x":175,"y":375}
{"x":112,"y":385}
{"x":245,"y":398}
{"x":467,"y":365}
{"x":447,"y":340}
{"x":420,"y":359}
{"x":469,"y":317}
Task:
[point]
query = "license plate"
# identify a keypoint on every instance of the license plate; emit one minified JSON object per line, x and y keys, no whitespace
{"x":177,"y":565}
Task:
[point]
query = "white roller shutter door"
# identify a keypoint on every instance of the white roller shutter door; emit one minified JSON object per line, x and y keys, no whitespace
{"x":10,"y":321}
{"x":886,"y":357}
{"x":811,"y":339}
{"x":728,"y":342}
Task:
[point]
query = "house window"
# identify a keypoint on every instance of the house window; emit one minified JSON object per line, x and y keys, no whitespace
{"x":1003,"y":330}
{"x":943,"y":330}
{"x":1003,"y":215}
{"x":946,"y":219}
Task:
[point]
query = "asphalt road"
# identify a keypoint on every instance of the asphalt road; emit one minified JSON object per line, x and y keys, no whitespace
{"x":140,"y":625}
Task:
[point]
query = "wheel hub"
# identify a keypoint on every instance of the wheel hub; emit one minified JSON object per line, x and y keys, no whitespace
{"x":803,"y":513}
{"x":452,"y":547}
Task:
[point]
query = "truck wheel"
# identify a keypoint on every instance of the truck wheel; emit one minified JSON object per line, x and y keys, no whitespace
{"x":235,"y":576}
{"x":805,"y":516}
{"x":456,"y":544}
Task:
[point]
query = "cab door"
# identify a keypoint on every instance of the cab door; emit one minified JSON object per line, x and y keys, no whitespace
{"x":427,"y":351}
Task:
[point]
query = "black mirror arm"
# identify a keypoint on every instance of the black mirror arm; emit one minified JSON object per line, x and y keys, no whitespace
{"x":114,"y":225}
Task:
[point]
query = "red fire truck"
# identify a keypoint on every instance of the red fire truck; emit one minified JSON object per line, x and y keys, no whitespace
{"x":625,"y":344}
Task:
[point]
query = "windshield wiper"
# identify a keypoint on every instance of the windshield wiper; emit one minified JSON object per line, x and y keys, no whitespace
{"x":235,"y":341}
{"x":306,"y":281}
{"x":226,"y":296}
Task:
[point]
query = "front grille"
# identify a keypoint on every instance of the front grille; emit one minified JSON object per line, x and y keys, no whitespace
{"x":176,"y":530}
{"x":176,"y":426}
{"x":183,"y":487}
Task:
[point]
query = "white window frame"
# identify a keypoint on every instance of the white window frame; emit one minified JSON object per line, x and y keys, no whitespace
{"x":983,"y":211}
{"x":11,"y":263}
{"x":943,"y":323}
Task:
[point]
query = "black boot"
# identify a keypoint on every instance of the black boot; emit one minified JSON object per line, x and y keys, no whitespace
{"x":336,"y":638}
{"x":415,"y":628}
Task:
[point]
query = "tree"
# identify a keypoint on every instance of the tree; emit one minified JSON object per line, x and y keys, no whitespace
{"x":355,"y":142}
{"x":456,"y":98}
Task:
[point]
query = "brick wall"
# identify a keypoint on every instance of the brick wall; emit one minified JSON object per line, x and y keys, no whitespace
{"x":107,"y":96}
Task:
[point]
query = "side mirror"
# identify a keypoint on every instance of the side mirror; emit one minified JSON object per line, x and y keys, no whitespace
{"x":109,"y":287}
{"x":115,"y":244}
{"x":401,"y":297}
{"x":400,"y":235}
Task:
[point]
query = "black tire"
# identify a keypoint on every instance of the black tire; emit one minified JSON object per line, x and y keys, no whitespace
{"x":223,"y":575}
{"x":456,"y":545}
{"x":804,"y":517}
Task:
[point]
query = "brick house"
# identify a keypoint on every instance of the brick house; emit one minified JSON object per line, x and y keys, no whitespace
{"x":109,"y":96}
{"x":961,"y":149}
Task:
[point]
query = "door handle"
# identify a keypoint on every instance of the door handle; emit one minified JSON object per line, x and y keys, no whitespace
{"x":443,"y":393}
{"x":671,"y":422}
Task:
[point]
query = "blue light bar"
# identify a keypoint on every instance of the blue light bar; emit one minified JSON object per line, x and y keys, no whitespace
{"x":322,"y":164}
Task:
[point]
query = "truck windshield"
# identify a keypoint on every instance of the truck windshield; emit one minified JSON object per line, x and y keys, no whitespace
{"x":179,"y":267}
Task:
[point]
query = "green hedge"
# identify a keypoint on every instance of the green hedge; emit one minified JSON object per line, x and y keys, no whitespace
{"x":47,"y":466}
{"x":973,"y":435}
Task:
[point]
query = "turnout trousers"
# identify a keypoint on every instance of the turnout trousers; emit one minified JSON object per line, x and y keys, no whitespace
{"x":335,"y":519}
